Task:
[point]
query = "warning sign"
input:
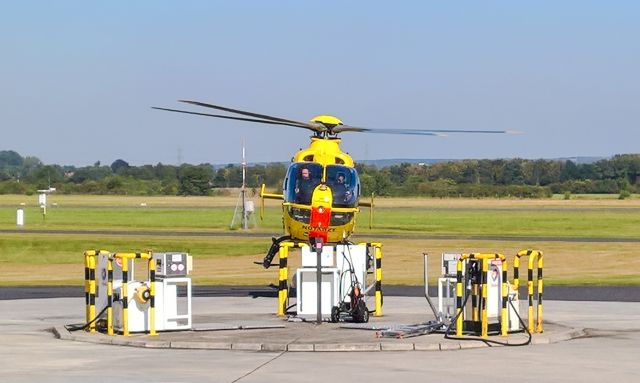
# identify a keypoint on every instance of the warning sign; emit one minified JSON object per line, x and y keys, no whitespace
{"x":494,"y":294}
{"x":495,"y":273}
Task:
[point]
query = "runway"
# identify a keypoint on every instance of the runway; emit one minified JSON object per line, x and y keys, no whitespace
{"x":356,"y":238}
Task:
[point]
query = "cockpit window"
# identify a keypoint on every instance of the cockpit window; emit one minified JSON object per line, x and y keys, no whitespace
{"x":302,"y":179}
{"x":344,"y":185}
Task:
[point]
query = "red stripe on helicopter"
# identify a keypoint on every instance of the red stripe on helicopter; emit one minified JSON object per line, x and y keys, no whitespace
{"x":319,"y":222}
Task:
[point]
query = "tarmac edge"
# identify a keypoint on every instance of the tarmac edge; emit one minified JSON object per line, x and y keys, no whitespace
{"x":59,"y":332}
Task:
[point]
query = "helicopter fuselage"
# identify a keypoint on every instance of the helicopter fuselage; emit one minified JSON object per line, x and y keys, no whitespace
{"x":320,"y":193}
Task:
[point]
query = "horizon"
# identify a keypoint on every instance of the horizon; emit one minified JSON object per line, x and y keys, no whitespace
{"x":398,"y":160}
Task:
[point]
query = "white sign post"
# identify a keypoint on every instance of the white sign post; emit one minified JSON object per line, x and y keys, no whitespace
{"x":20,"y":217}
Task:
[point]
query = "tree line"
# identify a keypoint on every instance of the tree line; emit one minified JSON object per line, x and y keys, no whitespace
{"x":466,"y":178}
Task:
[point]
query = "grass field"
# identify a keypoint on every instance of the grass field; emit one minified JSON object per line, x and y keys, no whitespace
{"x":28,"y":258}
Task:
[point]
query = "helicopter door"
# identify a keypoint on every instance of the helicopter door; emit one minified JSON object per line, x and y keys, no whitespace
{"x":302,"y":178}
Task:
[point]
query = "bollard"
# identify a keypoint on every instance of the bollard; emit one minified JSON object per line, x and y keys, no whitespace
{"x":459,"y":289}
{"x":378,"y":254}
{"x":152,"y":297}
{"x":110,"y":296}
{"x":534,"y":325}
{"x":283,"y":276}
{"x":125,"y":296}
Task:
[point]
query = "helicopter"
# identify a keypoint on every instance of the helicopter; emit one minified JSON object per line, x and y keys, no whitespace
{"x":321,"y":190}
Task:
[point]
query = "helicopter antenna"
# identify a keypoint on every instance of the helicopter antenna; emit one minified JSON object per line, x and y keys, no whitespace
{"x":243,"y":217}
{"x":243,"y":191}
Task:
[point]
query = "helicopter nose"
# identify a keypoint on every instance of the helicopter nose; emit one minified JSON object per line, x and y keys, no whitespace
{"x":319,"y":222}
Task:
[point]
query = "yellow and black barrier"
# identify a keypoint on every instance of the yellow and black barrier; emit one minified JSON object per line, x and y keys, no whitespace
{"x":479,"y":308}
{"x":90,"y":288}
{"x":124,"y":257}
{"x":283,"y":273}
{"x":377,"y":249}
{"x":534,"y":324}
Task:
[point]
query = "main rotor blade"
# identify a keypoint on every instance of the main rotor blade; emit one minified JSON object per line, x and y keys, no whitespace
{"x":420,"y":132}
{"x":417,"y":132}
{"x":233,"y":118}
{"x":314,"y":127}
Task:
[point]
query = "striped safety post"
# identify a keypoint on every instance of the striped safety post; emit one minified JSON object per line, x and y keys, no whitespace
{"x":152,"y":297}
{"x":378,"y":255}
{"x":475,"y":294}
{"x":459,"y":289}
{"x":540,"y":291}
{"x":504,"y":315}
{"x":92,"y":292}
{"x":533,"y":256}
{"x":484,"y":329}
{"x":377,"y":271}
{"x":109,"y":296}
{"x":86,"y":286}
{"x":283,"y":276}
{"x":125,"y":294}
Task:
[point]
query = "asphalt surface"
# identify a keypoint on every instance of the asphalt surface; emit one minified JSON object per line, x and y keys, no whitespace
{"x":29,"y":352}
{"x":412,"y":236}
{"x":558,"y":293}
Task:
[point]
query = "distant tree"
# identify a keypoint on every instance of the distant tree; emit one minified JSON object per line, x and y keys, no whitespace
{"x":569,"y":172}
{"x":119,"y":165}
{"x":46,"y":176}
{"x":90,"y":173}
{"x":220,"y":178}
{"x":234,"y":176}
{"x":144,"y":172}
{"x":10,"y":158}
{"x":195,"y":180}
{"x":166,"y":173}
{"x":382,"y":184}
{"x":274,"y":175}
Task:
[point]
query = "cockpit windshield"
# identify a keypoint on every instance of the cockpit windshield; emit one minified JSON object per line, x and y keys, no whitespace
{"x":302,"y":179}
{"x":344,"y":185}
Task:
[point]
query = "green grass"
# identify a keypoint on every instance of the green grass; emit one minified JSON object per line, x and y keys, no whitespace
{"x":590,"y":222}
{"x":58,"y":257}
{"x":65,"y":249}
{"x":484,"y":217}
{"x":510,"y":222}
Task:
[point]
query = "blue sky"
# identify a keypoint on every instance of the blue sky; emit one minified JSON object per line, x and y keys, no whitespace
{"x":78,"y":78}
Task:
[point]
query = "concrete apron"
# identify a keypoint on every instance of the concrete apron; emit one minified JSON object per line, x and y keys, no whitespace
{"x":250,"y":324}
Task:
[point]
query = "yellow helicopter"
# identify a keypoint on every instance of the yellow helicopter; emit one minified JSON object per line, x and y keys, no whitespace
{"x":321,"y":190}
